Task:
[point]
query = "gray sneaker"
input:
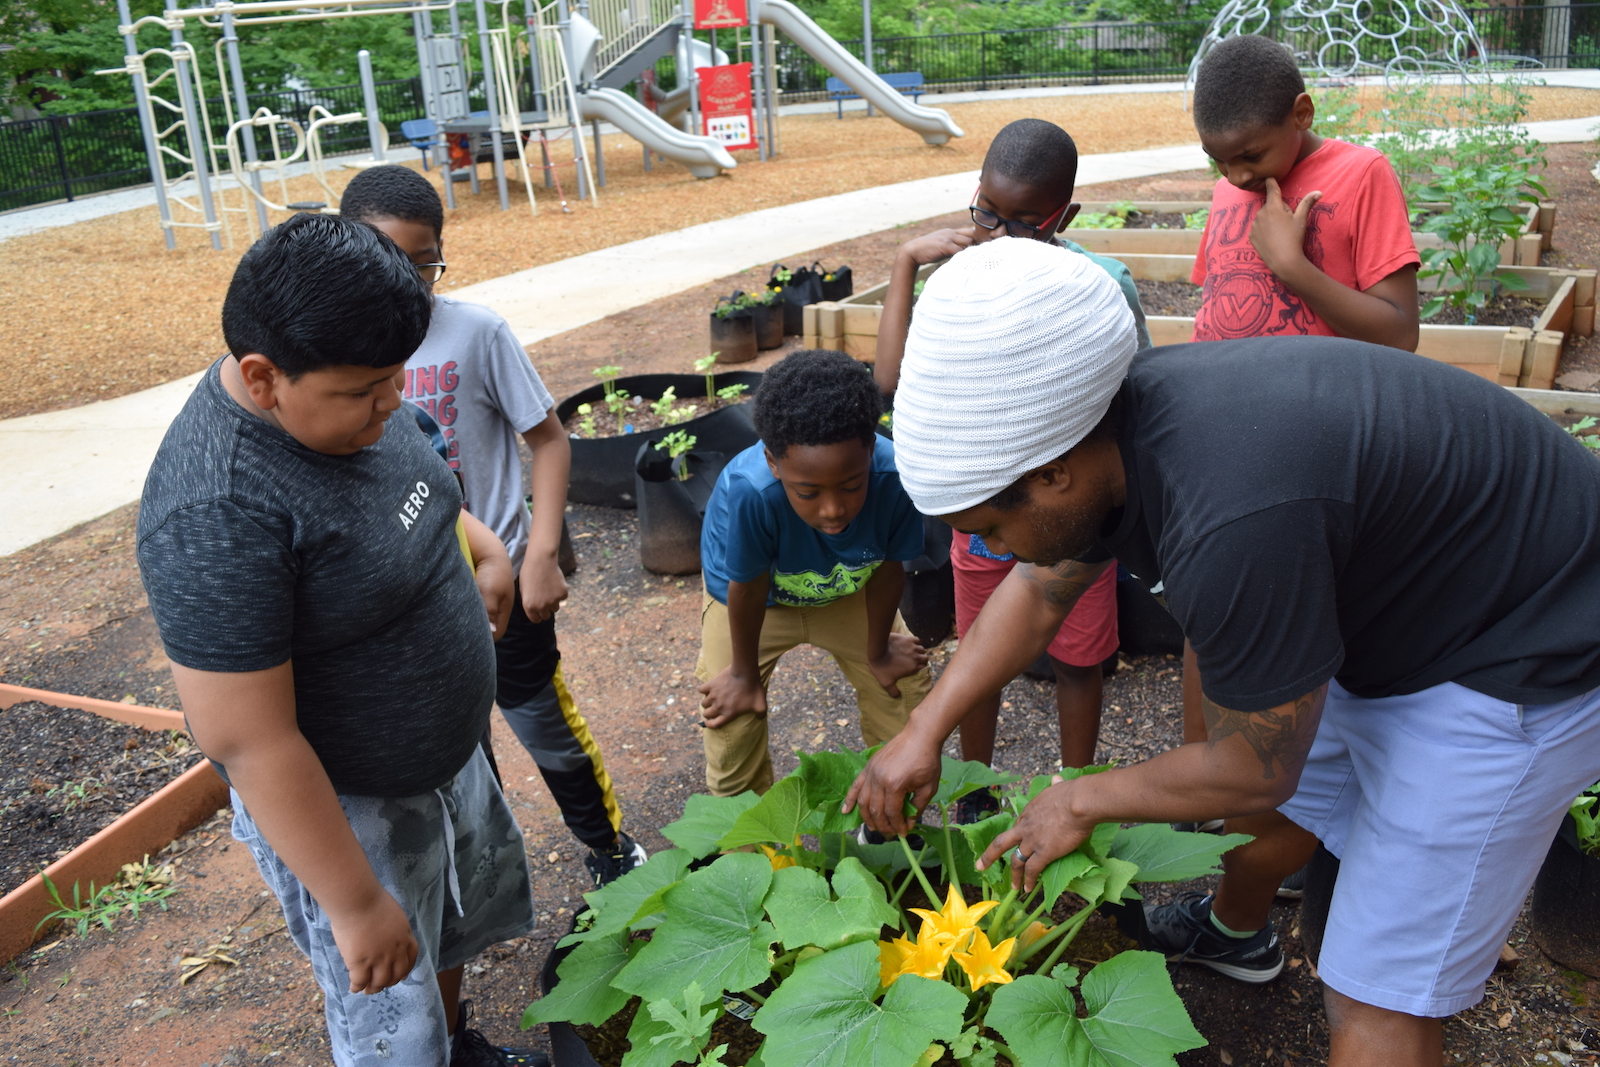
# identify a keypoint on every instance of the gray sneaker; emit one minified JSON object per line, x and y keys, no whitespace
{"x":1182,"y":931}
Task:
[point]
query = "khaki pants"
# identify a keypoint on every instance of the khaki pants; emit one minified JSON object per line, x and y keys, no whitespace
{"x":737,"y":757}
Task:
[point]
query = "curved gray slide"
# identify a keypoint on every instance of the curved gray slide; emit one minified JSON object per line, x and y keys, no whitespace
{"x":704,"y":156}
{"x":935,"y":125}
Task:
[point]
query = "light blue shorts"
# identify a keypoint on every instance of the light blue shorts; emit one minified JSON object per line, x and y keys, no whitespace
{"x":1440,"y":806}
{"x":454,"y":860}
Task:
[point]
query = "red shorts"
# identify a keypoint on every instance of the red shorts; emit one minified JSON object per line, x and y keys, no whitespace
{"x":1088,"y":634}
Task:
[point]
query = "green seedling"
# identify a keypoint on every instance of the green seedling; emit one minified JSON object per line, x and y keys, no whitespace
{"x":1580,"y":430}
{"x":1583,"y":815}
{"x":676,"y":444}
{"x":1098,"y":220}
{"x":137,"y":885}
{"x":75,"y":794}
{"x":1196,"y":220}
{"x":608,"y":376}
{"x":1123,"y":208}
{"x":783,"y":275}
{"x":617,"y":404}
{"x":729,"y":393}
{"x":20,"y":975}
{"x":708,"y":367}
{"x":679,"y":414}
{"x":687,"y":1028}
{"x":586,"y":424}
{"x":664,"y":405}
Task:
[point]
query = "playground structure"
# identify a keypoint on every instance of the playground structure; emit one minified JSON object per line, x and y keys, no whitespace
{"x":547,"y":70}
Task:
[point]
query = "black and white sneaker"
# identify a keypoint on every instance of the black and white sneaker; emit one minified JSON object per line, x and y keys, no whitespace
{"x":469,"y":1048}
{"x":1182,"y":931}
{"x":975,"y":807}
{"x":1209,"y":826}
{"x":609,"y":864}
{"x":1294,"y":886}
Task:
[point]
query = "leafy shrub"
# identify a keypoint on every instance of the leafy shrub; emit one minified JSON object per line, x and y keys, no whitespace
{"x":1476,"y":218}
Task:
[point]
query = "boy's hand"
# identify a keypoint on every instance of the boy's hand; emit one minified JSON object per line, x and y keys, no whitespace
{"x":544,"y":587}
{"x":728,"y":696}
{"x":938,"y":245}
{"x":376,"y":944}
{"x":905,"y":655}
{"x":1279,"y":235}
{"x":497,"y":588}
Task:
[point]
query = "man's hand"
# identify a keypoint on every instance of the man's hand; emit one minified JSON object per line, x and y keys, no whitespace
{"x":544,"y":587}
{"x":376,"y":944}
{"x":727,"y":696}
{"x":1279,"y":235}
{"x":907,"y":765}
{"x":936,"y":246}
{"x":497,"y":589}
{"x":1044,"y":833}
{"x":904,"y":656}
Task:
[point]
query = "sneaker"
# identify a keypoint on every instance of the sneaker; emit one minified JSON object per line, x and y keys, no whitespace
{"x":609,"y":864}
{"x":975,"y":807}
{"x":1210,"y":826}
{"x":1294,"y":886}
{"x":865,"y":836}
{"x":469,"y":1048}
{"x":1182,"y":931}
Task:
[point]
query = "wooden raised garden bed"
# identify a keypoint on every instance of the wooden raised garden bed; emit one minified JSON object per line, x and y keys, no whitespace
{"x":1514,"y":356}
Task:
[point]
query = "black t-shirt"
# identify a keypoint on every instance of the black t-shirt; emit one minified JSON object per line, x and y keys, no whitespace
{"x":255,"y":550}
{"x":1322,"y":508}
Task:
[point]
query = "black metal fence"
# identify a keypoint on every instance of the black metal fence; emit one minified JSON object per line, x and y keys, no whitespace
{"x":71,"y":155}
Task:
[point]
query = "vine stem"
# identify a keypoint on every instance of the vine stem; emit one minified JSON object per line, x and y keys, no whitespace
{"x":1076,"y":924}
{"x":996,"y":923}
{"x":916,"y":869}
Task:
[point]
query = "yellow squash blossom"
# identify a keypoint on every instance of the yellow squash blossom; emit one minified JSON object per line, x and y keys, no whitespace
{"x":956,"y":919}
{"x":985,"y":963}
{"x":779,"y":862}
{"x":1031,"y":935}
{"x":926,"y":956}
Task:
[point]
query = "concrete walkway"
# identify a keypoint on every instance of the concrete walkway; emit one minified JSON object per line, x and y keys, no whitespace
{"x":86,"y":461}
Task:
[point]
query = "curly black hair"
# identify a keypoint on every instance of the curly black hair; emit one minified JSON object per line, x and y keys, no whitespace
{"x":1247,"y":80}
{"x":816,"y":397}
{"x":1034,"y":152}
{"x":392,"y":192}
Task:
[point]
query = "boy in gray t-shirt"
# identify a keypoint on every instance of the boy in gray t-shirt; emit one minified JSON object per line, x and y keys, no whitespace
{"x":329,"y":642}
{"x":473,"y":377}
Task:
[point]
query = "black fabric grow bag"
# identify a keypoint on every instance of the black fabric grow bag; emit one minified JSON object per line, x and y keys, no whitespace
{"x":602,"y":468}
{"x":1565,"y":914}
{"x":671,"y":510}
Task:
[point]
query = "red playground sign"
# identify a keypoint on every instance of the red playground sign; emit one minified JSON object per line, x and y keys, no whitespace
{"x":725,"y":103}
{"x":720,"y":14}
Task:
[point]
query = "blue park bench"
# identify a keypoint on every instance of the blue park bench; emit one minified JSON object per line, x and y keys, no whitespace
{"x":907,"y":83}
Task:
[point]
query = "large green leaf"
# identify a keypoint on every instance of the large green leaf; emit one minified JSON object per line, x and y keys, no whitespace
{"x":585,"y":993}
{"x":828,"y":777}
{"x":775,"y":819}
{"x":824,"y":1015}
{"x":713,"y":933}
{"x":1060,"y":874}
{"x":957,"y":778}
{"x":1105,"y":882}
{"x":705,"y":820}
{"x":1039,"y":1020}
{"x":1135,"y":1017}
{"x":804,"y":912}
{"x":617,"y":905}
{"x":978,"y":837}
{"x":1163,"y":854}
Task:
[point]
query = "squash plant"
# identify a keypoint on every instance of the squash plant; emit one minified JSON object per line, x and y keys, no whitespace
{"x":771,"y":903}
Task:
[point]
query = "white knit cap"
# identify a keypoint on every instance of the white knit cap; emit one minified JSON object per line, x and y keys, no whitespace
{"x":1015,"y":352}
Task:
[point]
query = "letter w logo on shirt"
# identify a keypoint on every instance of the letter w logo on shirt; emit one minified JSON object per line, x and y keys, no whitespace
{"x":411,"y":507}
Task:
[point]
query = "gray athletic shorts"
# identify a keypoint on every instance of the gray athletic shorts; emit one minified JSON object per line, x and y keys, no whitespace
{"x":455,"y":861}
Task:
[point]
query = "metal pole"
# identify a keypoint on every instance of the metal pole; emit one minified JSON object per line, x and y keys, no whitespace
{"x":491,"y":97}
{"x":369,"y":100}
{"x":241,"y":99}
{"x":599,"y":156}
{"x":866,"y":41}
{"x":757,"y":78}
{"x":770,"y":53}
{"x":54,"y":123}
{"x":688,"y":72}
{"x":152,"y":151}
{"x":199,"y":139}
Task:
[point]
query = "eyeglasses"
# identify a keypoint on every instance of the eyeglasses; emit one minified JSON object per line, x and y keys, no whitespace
{"x":988,"y":220}
{"x":431,"y":272}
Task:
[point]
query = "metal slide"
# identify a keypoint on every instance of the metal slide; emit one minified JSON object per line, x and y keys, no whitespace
{"x":935,"y":125}
{"x":704,"y":156}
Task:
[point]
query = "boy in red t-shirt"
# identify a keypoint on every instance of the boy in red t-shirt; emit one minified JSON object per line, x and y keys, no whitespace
{"x":1307,"y":234}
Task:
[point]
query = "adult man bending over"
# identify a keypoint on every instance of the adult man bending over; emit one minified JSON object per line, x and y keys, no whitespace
{"x":1389,"y":570}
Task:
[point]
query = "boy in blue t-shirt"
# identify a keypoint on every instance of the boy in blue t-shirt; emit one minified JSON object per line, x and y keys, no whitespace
{"x":804,"y":542}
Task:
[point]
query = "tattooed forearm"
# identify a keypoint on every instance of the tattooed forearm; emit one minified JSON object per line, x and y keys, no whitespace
{"x":1064,"y":583}
{"x":1280,"y":737}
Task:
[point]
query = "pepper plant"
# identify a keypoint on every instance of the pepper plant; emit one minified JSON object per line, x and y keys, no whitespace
{"x":814,"y":931}
{"x":1476,"y":218}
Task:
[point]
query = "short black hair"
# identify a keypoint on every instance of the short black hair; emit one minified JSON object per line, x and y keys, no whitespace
{"x":816,"y":397}
{"x":1247,"y":80}
{"x":320,"y":291}
{"x":1034,"y":152}
{"x":392,"y":192}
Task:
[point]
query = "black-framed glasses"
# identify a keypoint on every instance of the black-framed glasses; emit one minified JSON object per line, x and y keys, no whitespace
{"x":431,"y":272}
{"x":988,"y":220}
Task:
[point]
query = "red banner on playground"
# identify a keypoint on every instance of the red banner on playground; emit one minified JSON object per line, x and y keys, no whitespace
{"x":720,"y":14}
{"x":725,"y":102}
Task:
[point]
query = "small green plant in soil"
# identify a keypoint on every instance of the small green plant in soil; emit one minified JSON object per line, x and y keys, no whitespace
{"x":1196,"y":220}
{"x":676,"y":444}
{"x":137,"y":885}
{"x":811,"y":937}
{"x":707,"y":365}
{"x":586,"y":424}
{"x":617,"y":402}
{"x":1580,"y":430}
{"x":729,"y":393}
{"x":1114,"y":219}
{"x":608,"y":376}
{"x":74,"y":794}
{"x":1476,"y":218}
{"x":1584,"y":816}
{"x":763,"y":298}
{"x":782,"y":275}
{"x":663,"y":406}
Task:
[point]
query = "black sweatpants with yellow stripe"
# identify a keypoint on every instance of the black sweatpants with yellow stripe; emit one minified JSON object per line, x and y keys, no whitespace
{"x":541,"y":712}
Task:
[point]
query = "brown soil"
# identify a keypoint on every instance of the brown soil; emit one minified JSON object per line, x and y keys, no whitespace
{"x":641,"y":417}
{"x":1168,"y":298}
{"x":73,"y":618}
{"x":68,"y":774}
{"x":124,"y":314}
